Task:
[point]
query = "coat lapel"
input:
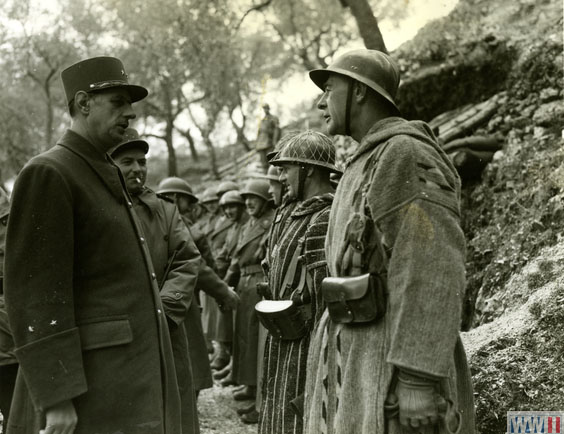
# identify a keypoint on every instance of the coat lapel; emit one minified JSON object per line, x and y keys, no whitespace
{"x":223,"y":225}
{"x":255,"y":231}
{"x":107,"y":171}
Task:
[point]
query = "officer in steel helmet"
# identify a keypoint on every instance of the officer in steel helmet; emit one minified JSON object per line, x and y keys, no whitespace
{"x":245,"y":270}
{"x":305,"y":164}
{"x":395,"y":219}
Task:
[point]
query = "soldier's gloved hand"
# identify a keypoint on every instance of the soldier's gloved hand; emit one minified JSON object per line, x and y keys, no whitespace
{"x":416,"y":400}
{"x":229,"y":301}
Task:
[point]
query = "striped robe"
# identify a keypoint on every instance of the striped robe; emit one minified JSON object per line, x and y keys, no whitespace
{"x":285,"y":361}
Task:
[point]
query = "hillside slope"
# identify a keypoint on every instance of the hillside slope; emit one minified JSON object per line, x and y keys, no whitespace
{"x":514,"y":213}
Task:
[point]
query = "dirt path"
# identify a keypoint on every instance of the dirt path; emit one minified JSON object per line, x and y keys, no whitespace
{"x":217,"y":412}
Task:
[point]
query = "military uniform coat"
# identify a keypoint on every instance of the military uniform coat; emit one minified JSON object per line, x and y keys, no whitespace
{"x":211,"y":314}
{"x":224,"y":325}
{"x":304,"y":232}
{"x":412,"y":198}
{"x":83,"y":300}
{"x":167,"y":235}
{"x":210,"y":283}
{"x":246,"y":264}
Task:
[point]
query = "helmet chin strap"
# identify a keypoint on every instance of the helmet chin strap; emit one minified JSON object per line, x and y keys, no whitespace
{"x":301,"y":183}
{"x":348,"y":107}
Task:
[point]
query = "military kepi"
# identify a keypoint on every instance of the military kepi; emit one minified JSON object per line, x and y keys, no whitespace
{"x":96,"y":74}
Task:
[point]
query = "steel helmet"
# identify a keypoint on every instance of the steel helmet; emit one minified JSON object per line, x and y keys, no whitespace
{"x":176,"y":185}
{"x":226,"y":186}
{"x":281,"y":143}
{"x":374,"y":68}
{"x":309,"y":147}
{"x":231,"y":197}
{"x":272,"y":174}
{"x":209,"y":195}
{"x":257,"y":187}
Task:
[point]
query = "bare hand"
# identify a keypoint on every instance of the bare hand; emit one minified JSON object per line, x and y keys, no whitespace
{"x":61,"y":419}
{"x":230,"y":301}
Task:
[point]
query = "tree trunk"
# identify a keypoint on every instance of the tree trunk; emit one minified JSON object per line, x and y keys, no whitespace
{"x":49,"y":121}
{"x":367,"y":24}
{"x":172,"y":167}
{"x":192,"y":146}
{"x":213,"y":158}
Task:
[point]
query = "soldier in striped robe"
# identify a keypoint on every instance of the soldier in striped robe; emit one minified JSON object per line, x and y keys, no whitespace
{"x":305,"y":164}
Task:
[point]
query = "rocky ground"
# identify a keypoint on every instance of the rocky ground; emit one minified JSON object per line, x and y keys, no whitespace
{"x":217,"y":413}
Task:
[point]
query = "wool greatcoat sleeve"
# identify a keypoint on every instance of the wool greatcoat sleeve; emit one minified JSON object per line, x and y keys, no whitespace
{"x":414,"y":202}
{"x":39,"y":286}
{"x":178,"y":289}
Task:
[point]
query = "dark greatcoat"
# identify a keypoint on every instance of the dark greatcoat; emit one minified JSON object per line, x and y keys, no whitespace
{"x":246,"y":262}
{"x":83,"y":300}
{"x":167,"y":235}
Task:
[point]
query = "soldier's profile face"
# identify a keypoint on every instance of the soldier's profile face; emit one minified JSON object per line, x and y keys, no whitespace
{"x":254,"y":205}
{"x":333,"y":104}
{"x":133,"y":165}
{"x":290,"y":175}
{"x":275,"y":190}
{"x":109,"y":114}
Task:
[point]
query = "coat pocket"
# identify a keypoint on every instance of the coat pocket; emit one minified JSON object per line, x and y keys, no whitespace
{"x":105,"y":334}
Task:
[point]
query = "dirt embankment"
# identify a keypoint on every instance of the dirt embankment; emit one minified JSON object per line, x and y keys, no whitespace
{"x":511,"y":50}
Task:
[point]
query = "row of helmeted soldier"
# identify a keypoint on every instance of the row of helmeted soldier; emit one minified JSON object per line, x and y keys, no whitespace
{"x":334,"y":307}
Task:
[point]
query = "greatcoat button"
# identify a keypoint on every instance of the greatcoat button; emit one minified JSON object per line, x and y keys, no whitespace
{"x":142,"y":239}
{"x":153,"y":275}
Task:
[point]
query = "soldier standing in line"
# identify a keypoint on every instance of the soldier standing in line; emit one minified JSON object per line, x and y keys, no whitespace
{"x":219,"y":324}
{"x":233,"y":206}
{"x":296,"y":267}
{"x":209,"y":282}
{"x":211,"y":203}
{"x":387,"y":355}
{"x":81,"y":294}
{"x":268,"y":135}
{"x":245,"y":270}
{"x":175,"y":258}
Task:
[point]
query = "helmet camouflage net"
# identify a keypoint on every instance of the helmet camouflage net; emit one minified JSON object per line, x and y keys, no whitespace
{"x":310,"y":148}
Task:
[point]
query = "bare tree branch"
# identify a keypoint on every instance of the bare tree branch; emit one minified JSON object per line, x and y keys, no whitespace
{"x":255,"y":8}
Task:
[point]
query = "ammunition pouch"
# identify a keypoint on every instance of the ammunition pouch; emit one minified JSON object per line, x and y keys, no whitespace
{"x":357,"y":299}
{"x":289,"y":322}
